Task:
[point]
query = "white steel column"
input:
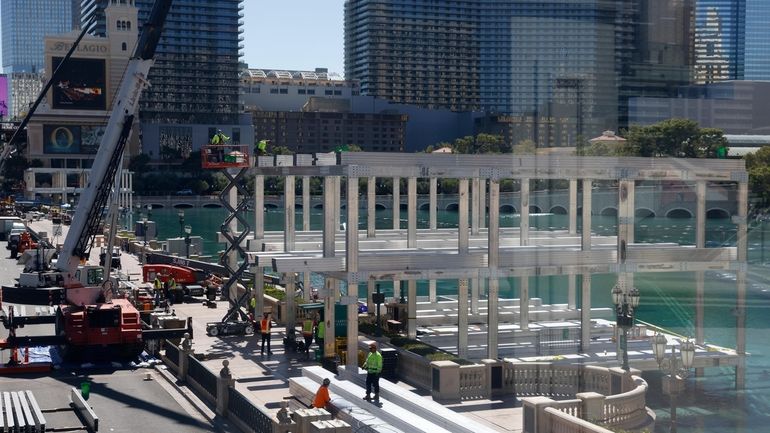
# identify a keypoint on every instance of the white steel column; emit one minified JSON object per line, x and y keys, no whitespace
{"x":411,"y":309}
{"x":307,"y":291}
{"x":411,"y":212}
{"x":740,"y":303}
{"x":259,"y":291}
{"x":305,"y":203}
{"x":494,"y":261}
{"x":524,"y":303}
{"x":433,"y":202}
{"x":475,"y":193}
{"x":351,"y":262}
{"x":571,"y":291}
{"x":371,"y":207}
{"x":524,"y":212}
{"x":432,"y":291}
{"x":462,"y":225}
{"x":396,"y":203}
{"x":329,"y":231}
{"x":291,"y":310}
{"x":482,"y":204}
{"x":337,"y":202}
{"x":573,"y":206}
{"x":585,"y":236}
{"x":288,"y":214}
{"x":700,"y":242}
{"x":370,"y":289}
{"x":475,"y":290}
{"x":259,"y":207}
{"x":462,"y":318}
{"x":585,"y":314}
{"x":396,"y":290}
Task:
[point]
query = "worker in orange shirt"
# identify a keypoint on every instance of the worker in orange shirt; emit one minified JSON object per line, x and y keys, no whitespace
{"x":264,"y":328}
{"x":322,"y":398}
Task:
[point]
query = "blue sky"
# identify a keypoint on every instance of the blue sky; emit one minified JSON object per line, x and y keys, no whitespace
{"x":294,"y":35}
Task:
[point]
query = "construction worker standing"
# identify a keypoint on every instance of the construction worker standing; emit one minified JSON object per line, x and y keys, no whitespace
{"x":158,"y":286}
{"x":373,"y":367}
{"x":264,"y":329}
{"x":307,"y":334}
{"x":320,"y":331}
{"x":262,"y":147}
{"x":172,"y":289}
{"x":219,"y":138}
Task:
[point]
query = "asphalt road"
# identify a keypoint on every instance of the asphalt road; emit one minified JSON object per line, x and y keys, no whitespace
{"x":121,"y":396}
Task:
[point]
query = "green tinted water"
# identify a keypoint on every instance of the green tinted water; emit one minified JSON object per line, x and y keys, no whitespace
{"x":667,"y":300}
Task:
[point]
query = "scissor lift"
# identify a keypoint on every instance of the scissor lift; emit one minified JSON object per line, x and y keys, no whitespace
{"x":234,"y":162}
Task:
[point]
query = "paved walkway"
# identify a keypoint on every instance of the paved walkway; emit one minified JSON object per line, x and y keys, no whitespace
{"x":264,"y":379}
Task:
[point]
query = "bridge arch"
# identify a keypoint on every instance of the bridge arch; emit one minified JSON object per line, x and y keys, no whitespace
{"x":318,"y":206}
{"x":535,"y":209}
{"x":559,"y":210}
{"x":644,"y":212}
{"x":155,"y":206}
{"x":212,"y":206}
{"x":609,"y":211}
{"x":424,"y":206}
{"x":717,"y":213}
{"x":271,"y":206}
{"x":507,"y":208}
{"x":298,"y":206}
{"x":678,"y":213}
{"x":403,"y":206}
{"x":182,"y":206}
{"x":380,"y":206}
{"x":452,"y":207}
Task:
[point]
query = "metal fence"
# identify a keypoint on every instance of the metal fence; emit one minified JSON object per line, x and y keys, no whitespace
{"x":560,"y":340}
{"x":203,"y":377}
{"x":248,"y":413}
{"x":172,"y":353}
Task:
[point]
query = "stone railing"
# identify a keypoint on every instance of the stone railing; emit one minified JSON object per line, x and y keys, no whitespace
{"x":608,"y":397}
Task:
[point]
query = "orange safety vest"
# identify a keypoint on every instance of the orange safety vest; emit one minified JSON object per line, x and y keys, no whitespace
{"x":264,"y":326}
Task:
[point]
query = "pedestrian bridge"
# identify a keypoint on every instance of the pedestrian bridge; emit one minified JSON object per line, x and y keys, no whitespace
{"x":678,"y":201}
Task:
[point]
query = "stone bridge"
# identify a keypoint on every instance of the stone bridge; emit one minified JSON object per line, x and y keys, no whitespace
{"x":671,"y":201}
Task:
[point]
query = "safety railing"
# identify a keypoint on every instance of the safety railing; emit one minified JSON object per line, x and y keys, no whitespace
{"x":628,"y":408}
{"x":473,"y":382}
{"x":200,"y":377}
{"x":172,"y":355}
{"x":248,"y":413}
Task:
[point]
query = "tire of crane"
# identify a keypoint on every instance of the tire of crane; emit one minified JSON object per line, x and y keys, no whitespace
{"x":213,"y":331}
{"x":248,"y":330}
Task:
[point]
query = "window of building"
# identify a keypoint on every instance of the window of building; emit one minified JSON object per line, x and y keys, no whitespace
{"x":274,"y":91}
{"x":57,"y":163}
{"x":300,"y":91}
{"x":311,"y":91}
{"x":328,"y":92}
{"x":284,"y":91}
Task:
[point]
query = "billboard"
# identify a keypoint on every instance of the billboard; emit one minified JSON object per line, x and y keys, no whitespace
{"x":71,"y":139}
{"x":80,"y":85}
{"x":4,"y":97}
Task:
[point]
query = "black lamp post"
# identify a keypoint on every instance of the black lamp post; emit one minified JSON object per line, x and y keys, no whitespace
{"x":625,"y":304}
{"x":378,"y":299}
{"x":187,"y":240}
{"x":180,"y":213}
{"x":144,"y":232}
{"x":676,"y":369}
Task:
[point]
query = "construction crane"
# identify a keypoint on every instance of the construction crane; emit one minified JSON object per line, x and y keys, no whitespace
{"x":87,"y":316}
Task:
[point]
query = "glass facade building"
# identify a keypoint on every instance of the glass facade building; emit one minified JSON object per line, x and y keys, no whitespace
{"x":720,"y":27}
{"x":560,"y":69}
{"x":195,"y":76}
{"x":24,"y":24}
{"x":757,"y":54}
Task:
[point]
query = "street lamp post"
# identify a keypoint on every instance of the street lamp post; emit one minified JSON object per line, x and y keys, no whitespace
{"x":676,"y":369}
{"x":625,"y":304}
{"x":181,"y":222}
{"x":144,"y":232}
{"x":187,"y":240}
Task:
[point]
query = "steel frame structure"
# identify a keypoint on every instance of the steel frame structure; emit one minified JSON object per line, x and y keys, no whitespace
{"x":470,"y":252}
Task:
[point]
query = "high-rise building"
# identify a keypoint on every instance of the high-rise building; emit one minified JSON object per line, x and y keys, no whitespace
{"x":24,"y":25}
{"x":562,"y":67}
{"x":720,"y":39}
{"x":195,"y":76}
{"x":757,"y":54}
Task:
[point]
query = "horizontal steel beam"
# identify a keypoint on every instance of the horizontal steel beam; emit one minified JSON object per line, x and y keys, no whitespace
{"x":496,"y":166}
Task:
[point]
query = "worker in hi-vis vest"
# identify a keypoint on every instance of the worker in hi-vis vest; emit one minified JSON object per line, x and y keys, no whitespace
{"x":264,"y":329}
